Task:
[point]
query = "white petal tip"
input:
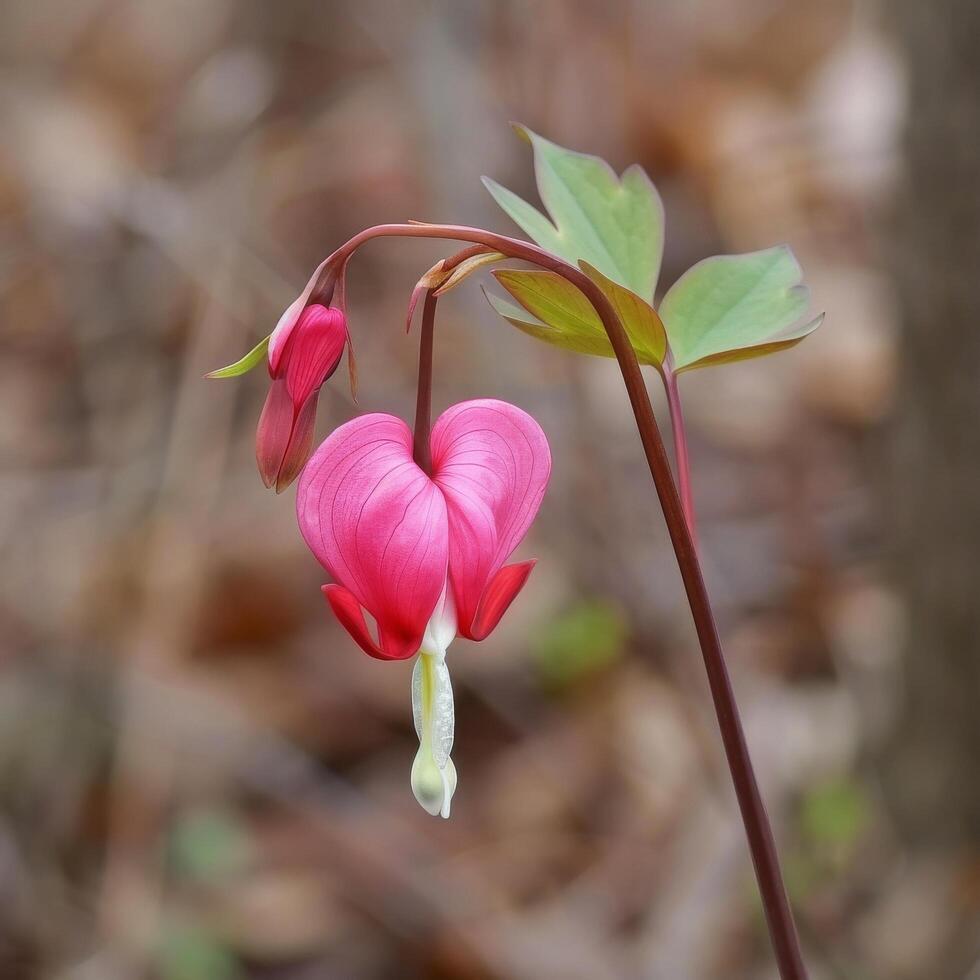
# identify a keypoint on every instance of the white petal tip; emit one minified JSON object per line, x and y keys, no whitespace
{"x":433,"y":787}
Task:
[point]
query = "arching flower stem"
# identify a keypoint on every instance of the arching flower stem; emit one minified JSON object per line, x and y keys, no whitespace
{"x":779,"y":916}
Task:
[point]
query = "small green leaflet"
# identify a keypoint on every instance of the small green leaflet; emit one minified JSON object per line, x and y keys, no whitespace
{"x":640,"y":320}
{"x":243,"y":366}
{"x":616,"y":224}
{"x":562,"y":315}
{"x":732,"y":307}
{"x":579,"y":342}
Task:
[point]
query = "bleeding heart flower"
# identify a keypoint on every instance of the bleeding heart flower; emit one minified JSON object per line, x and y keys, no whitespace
{"x":304,"y":350}
{"x":424,"y":555}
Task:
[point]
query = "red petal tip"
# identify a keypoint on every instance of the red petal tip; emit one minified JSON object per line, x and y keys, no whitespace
{"x":500,"y":592}
{"x":350,"y":615}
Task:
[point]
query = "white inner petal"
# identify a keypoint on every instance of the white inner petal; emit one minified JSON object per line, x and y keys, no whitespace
{"x":440,"y":631}
{"x":433,"y":772}
{"x":443,"y":716}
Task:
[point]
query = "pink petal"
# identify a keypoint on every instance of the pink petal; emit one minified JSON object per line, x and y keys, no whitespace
{"x":275,"y":427}
{"x":284,"y":328}
{"x":492,"y":462}
{"x":350,"y":615}
{"x":313,"y":350}
{"x":497,"y":596}
{"x":284,"y":437}
{"x":378,"y":525}
{"x":287,"y":322}
{"x":300,"y":443}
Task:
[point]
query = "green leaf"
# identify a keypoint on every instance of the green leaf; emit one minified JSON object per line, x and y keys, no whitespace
{"x":641,"y":321}
{"x":562,"y":315}
{"x":533,"y":223}
{"x":555,"y":311}
{"x":784,"y":342}
{"x":733,"y":307}
{"x":529,"y":324}
{"x":245,"y":364}
{"x":616,"y":224}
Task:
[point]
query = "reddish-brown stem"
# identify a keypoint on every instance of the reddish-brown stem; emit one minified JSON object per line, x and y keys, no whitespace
{"x":779,"y":916}
{"x":680,"y":452}
{"x":423,"y":400}
{"x":423,"y":404}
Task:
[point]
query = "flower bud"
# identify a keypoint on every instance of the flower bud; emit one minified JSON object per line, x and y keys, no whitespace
{"x":303,"y":353}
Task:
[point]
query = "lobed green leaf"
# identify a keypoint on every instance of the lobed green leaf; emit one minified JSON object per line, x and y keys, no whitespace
{"x":733,"y":307}
{"x":561,"y":314}
{"x":616,"y":224}
{"x":567,"y":327}
{"x":641,"y":321}
{"x":773,"y":346}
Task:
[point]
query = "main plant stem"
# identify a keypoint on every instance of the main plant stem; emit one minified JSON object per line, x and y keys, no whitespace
{"x":779,"y":916}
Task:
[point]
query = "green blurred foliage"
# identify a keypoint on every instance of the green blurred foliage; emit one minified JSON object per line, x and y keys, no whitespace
{"x":208,"y":844}
{"x":189,"y":953}
{"x":835,"y":814}
{"x":834,"y":817}
{"x":579,"y":644}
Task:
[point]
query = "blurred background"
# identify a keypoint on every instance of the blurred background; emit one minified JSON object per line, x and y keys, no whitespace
{"x":201,"y":777}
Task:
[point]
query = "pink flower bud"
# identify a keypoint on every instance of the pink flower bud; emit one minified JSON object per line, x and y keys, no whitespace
{"x":304,"y":350}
